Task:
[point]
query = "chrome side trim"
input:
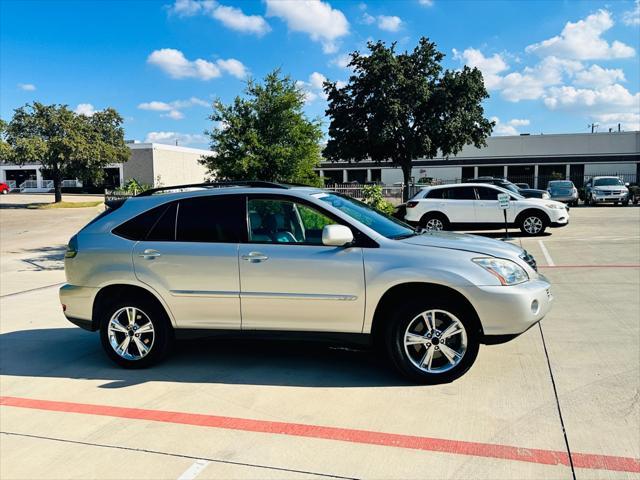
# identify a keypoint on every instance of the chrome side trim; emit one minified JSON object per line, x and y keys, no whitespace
{"x":299,"y":296}
{"x":204,"y":293}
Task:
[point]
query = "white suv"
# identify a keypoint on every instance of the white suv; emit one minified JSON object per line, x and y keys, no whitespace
{"x":475,"y":206}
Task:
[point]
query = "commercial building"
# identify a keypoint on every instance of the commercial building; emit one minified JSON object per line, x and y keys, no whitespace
{"x":150,"y":163}
{"x":532,"y":159}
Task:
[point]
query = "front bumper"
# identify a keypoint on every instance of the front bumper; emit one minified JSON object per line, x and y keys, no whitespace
{"x":564,"y":198}
{"x":78,"y":305}
{"x":610,"y":198}
{"x":511,"y":310}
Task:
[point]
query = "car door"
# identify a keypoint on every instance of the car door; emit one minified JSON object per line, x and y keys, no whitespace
{"x":488,"y":209}
{"x":459,"y":204}
{"x":190,"y":258}
{"x":289,"y":279}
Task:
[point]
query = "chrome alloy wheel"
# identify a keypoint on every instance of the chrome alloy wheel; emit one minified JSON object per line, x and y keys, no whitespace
{"x":131,"y":333}
{"x":435,"y":341}
{"x":434,"y":224}
{"x":532,"y":225}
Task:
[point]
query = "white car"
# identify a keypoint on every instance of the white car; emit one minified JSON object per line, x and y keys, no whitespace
{"x":475,"y":206}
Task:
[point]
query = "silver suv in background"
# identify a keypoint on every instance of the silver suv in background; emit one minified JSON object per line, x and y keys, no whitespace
{"x":259,"y":258}
{"x":606,"y":190}
{"x":563,"y":191}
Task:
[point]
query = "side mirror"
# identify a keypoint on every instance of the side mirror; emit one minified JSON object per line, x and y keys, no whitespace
{"x":626,"y":184}
{"x":336,"y":235}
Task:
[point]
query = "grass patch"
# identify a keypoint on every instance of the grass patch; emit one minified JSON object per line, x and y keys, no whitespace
{"x":44,"y":206}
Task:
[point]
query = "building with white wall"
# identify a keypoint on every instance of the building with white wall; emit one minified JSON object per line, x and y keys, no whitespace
{"x":150,"y":163}
{"x":533,"y":159}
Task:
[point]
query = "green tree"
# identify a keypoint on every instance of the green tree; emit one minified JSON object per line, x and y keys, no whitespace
{"x":5,"y":149}
{"x":68,"y":145}
{"x":399,"y":107}
{"x":265,"y":135}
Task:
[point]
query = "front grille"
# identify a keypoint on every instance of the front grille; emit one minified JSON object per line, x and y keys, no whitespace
{"x":527,"y":257}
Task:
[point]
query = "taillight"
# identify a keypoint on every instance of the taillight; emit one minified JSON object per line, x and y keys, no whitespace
{"x":72,"y":247}
{"x":411,"y":204}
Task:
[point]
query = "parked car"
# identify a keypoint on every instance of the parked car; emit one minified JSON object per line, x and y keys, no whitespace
{"x":563,"y":191}
{"x":606,"y":190}
{"x":261,"y":258}
{"x":468,"y":206}
{"x":4,"y":188}
{"x":501,"y":182}
{"x":522,"y":186}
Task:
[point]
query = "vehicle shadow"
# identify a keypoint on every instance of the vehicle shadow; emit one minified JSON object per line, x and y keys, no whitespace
{"x":44,"y":258}
{"x":77,"y":354}
{"x":511,"y":234}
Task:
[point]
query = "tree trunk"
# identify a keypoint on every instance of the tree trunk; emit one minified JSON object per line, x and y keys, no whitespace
{"x":406,"y":174}
{"x":57,"y":189}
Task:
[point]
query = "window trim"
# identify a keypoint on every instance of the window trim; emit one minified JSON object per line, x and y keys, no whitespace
{"x":361,"y":239}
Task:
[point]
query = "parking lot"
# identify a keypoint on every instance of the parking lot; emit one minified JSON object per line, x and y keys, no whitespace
{"x":560,"y":401}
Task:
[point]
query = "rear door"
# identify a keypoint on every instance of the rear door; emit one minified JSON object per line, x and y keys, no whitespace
{"x":488,"y":209}
{"x":190,"y":257}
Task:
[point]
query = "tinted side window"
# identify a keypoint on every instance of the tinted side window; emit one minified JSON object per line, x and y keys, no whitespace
{"x":485,"y":193}
{"x":139,"y":226}
{"x":218,"y":219}
{"x":462,"y":193}
{"x":165,"y":228}
{"x":438,"y":193}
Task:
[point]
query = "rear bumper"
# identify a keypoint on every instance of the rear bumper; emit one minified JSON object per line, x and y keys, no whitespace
{"x":511,"y":310}
{"x":78,"y":305}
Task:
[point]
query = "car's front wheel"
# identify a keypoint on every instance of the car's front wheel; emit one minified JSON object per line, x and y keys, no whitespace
{"x":135,"y":333}
{"x":434,"y":221}
{"x":533,"y":224}
{"x":433,"y":342}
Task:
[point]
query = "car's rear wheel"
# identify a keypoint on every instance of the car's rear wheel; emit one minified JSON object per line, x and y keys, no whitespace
{"x":433,"y":341}
{"x":434,"y":221}
{"x":533,"y":224}
{"x":135,"y":333}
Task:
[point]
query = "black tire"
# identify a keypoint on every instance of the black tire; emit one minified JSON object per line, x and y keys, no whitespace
{"x":625,"y":203}
{"x":434,"y":217}
{"x":615,"y":204}
{"x":161,"y":339}
{"x":533,"y":223}
{"x":403,"y":358}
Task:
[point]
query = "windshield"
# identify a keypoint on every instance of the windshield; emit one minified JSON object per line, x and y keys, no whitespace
{"x":510,"y":186}
{"x":561,"y":184}
{"x":607,"y":181}
{"x":384,"y":225}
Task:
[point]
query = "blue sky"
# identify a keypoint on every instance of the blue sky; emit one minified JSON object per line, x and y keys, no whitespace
{"x":551,"y":66}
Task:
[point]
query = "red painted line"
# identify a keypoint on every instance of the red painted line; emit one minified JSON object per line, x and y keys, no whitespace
{"x":456,"y":447}
{"x":591,"y":266}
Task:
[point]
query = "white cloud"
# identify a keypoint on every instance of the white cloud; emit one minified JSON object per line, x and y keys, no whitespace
{"x":231,"y":17}
{"x":174,"y":115}
{"x":341,"y":60}
{"x":628,"y":121}
{"x":611,"y":98}
{"x":27,"y":87}
{"x":173,"y":108}
{"x":316,"y":18}
{"x":426,"y":3}
{"x":582,"y":41}
{"x":235,"y":19}
{"x":172,"y":137}
{"x":233,"y":67}
{"x":313,"y":88}
{"x":510,"y":127}
{"x":176,"y":65}
{"x":632,"y":17}
{"x":389,"y":23}
{"x":598,"y":77}
{"x":85,"y":109}
{"x":367,"y":19}
{"x":489,"y":66}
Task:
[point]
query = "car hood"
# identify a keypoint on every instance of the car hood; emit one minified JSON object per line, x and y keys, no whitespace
{"x":466,"y":242}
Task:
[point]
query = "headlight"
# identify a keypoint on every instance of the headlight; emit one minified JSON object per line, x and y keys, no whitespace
{"x":555,"y":205}
{"x":545,"y":196}
{"x":508,"y":272}
{"x":598,"y":192}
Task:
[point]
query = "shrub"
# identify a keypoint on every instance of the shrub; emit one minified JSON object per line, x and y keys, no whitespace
{"x":372,"y":196}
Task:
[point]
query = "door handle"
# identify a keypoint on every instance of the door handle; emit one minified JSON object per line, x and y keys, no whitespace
{"x":255,"y":257}
{"x":149,"y":254}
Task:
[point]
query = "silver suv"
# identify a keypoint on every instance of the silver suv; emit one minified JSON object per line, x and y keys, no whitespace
{"x":258,"y":258}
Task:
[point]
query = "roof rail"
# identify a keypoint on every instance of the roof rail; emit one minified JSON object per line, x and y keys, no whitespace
{"x":247,"y":183}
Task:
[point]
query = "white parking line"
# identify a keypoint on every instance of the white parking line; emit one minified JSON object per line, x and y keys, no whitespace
{"x":194,"y":470}
{"x":545,"y":252}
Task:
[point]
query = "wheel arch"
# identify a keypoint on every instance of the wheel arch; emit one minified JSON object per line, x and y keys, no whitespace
{"x":435,"y":213}
{"x":115,"y":291}
{"x":402,"y":291}
{"x":531,"y":210}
